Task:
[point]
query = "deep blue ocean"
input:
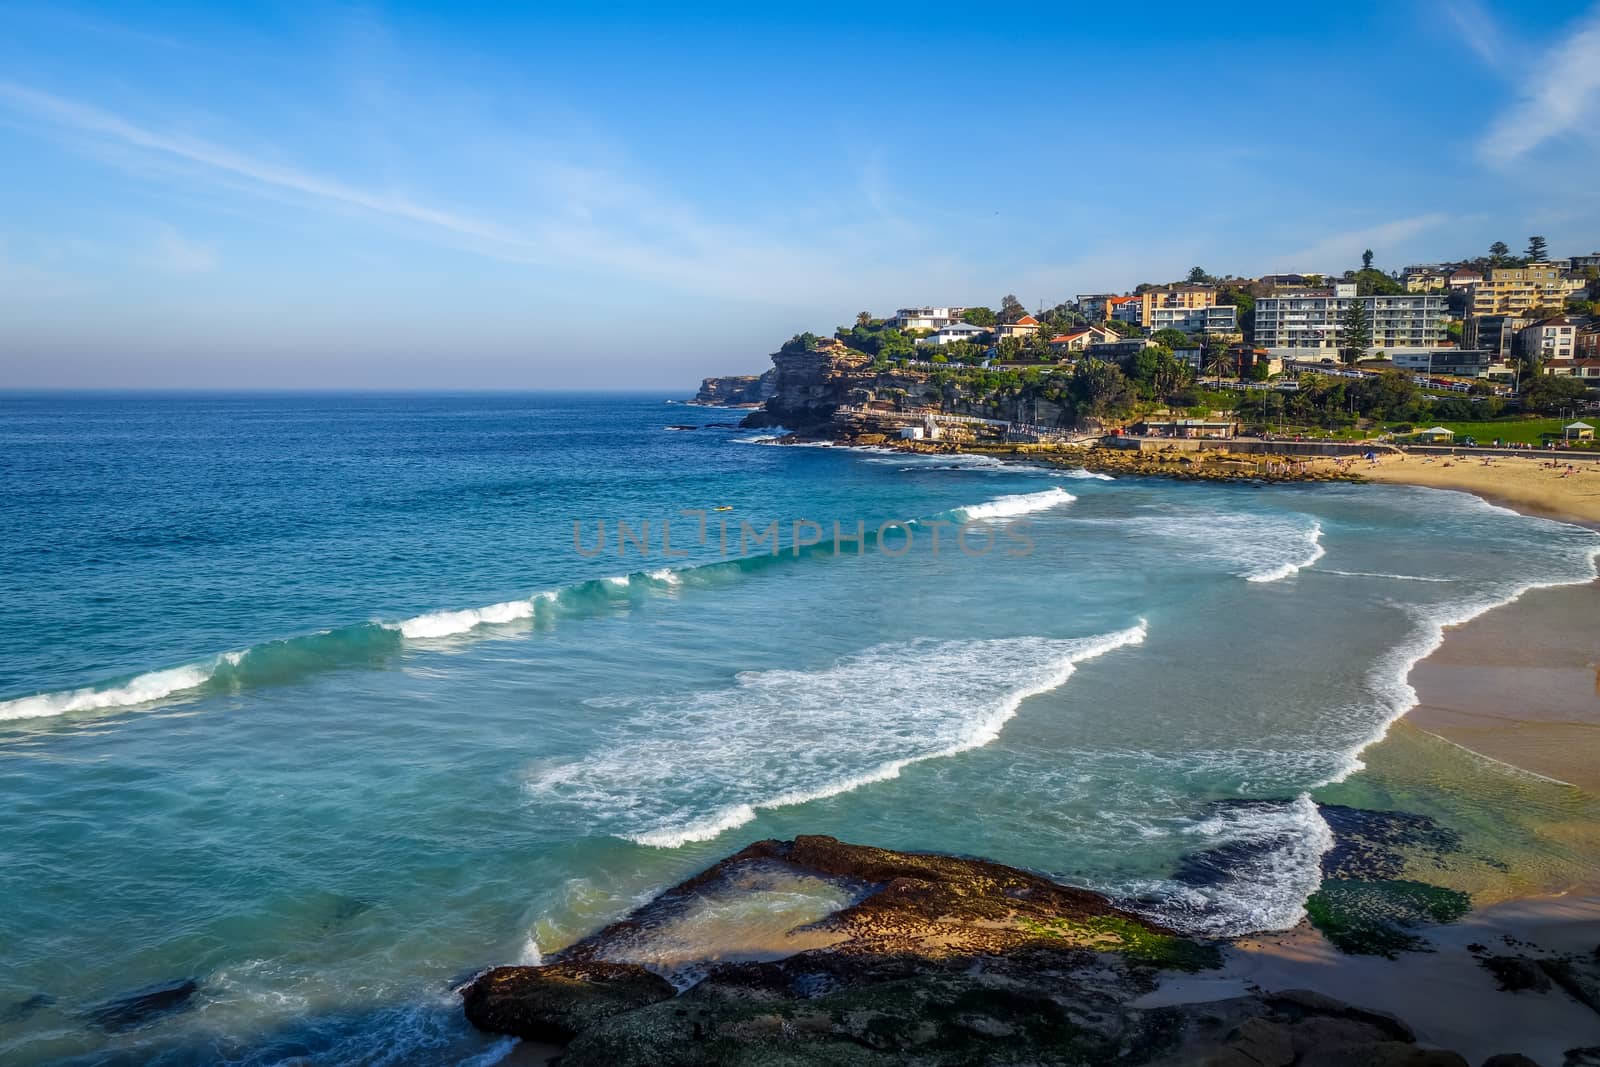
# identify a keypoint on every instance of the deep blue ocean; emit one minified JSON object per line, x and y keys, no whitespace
{"x":325,"y":701}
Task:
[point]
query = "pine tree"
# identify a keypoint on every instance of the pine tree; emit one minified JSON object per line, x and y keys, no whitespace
{"x":1499,"y":252}
{"x":1537,"y":251}
{"x":1357,"y":333}
{"x":1366,"y":260}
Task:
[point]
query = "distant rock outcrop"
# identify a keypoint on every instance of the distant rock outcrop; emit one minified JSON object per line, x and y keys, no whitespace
{"x":737,"y":390}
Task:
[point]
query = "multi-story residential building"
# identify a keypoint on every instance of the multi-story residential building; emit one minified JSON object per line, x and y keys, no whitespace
{"x":1218,"y":318}
{"x":1311,"y":321}
{"x":1180,"y":307}
{"x":1494,"y":333}
{"x":1092,"y":306}
{"x":1549,"y":340}
{"x":925,"y":318}
{"x":1022,"y":328}
{"x":1580,"y":262}
{"x":1464,"y":278}
{"x":1508,"y":290}
{"x":1586,"y":345}
{"x":1425,"y":278}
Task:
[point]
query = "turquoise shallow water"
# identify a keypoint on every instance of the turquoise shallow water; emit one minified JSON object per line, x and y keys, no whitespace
{"x":315,"y":701}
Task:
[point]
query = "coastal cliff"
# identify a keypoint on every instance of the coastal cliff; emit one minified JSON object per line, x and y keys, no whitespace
{"x":736,"y":390}
{"x":809,"y":386}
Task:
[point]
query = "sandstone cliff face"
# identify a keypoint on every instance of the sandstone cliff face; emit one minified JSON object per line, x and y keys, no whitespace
{"x":737,"y":390}
{"x":807,"y":387}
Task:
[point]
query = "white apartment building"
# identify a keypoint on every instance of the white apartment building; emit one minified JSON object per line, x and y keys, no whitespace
{"x":925,"y":318}
{"x":1310,"y":322}
{"x":956,"y":331}
{"x":1549,"y":339}
{"x":1219,"y":318}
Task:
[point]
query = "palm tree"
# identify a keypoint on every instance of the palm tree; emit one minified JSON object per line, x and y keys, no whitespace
{"x":863,"y":318}
{"x":1222,"y":361}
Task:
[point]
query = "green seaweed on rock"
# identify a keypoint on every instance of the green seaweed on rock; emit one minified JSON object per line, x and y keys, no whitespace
{"x":1374,"y":918}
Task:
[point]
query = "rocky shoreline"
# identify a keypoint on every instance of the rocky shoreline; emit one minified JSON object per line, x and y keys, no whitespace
{"x":1212,"y":465}
{"x":930,"y":959}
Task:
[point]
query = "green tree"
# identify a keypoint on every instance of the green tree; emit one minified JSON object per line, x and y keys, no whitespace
{"x":1357,"y":333}
{"x":1171,"y":339}
{"x":1376,"y":283}
{"x":801,"y":342}
{"x":1126,"y":329}
{"x":1246,"y":315}
{"x":978,"y":316}
{"x":1537,"y":251}
{"x":1099,"y":388}
{"x":1499,"y":254}
{"x":1221,"y":362}
{"x":863,"y":318}
{"x":1011,"y":309}
{"x":1366,"y":260}
{"x":1550,"y":394}
{"x":1198,"y":276}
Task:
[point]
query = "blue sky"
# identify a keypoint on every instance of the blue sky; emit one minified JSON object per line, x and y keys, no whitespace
{"x":466,"y":196}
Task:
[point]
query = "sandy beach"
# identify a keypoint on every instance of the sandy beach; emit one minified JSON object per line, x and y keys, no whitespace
{"x":1530,"y":484}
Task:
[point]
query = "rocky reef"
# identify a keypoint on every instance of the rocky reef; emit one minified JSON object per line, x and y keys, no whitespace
{"x":906,"y":958}
{"x":737,"y":390}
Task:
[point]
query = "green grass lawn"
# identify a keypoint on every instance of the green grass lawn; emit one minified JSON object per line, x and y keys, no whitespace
{"x":1520,"y":431}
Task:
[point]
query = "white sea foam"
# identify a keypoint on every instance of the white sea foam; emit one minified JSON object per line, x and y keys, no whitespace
{"x":666,"y":576}
{"x":1393,"y":577}
{"x":143,"y":689}
{"x":1006,"y":507}
{"x":1255,"y":546}
{"x":1274,"y":863}
{"x":1287,"y":568}
{"x":689,"y":767}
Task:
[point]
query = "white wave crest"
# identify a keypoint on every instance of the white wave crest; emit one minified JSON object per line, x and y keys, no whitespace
{"x":447,"y":623}
{"x":143,"y":689}
{"x":1315,"y":551}
{"x":690,"y":767}
{"x":666,"y":575}
{"x":1018,"y":504}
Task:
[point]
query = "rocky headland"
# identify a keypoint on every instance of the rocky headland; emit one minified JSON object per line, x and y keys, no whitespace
{"x":911,"y":958}
{"x":736,"y":390}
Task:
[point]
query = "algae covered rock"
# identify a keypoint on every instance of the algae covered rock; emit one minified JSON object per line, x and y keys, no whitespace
{"x":559,"y":1001}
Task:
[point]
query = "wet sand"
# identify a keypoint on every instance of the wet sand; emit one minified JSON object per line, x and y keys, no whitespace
{"x":1521,"y":684}
{"x":1446,"y":995}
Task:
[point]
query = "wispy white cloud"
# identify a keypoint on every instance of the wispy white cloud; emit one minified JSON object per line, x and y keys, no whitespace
{"x":1559,"y":96}
{"x":1480,"y":31}
{"x":573,"y":215}
{"x":87,"y":119}
{"x":173,"y":252}
{"x":1344,"y":249}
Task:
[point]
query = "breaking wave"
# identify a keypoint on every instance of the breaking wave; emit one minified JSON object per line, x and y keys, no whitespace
{"x":1007,"y":507}
{"x":689,"y":767}
{"x":373,"y":643}
{"x":1315,"y":551}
